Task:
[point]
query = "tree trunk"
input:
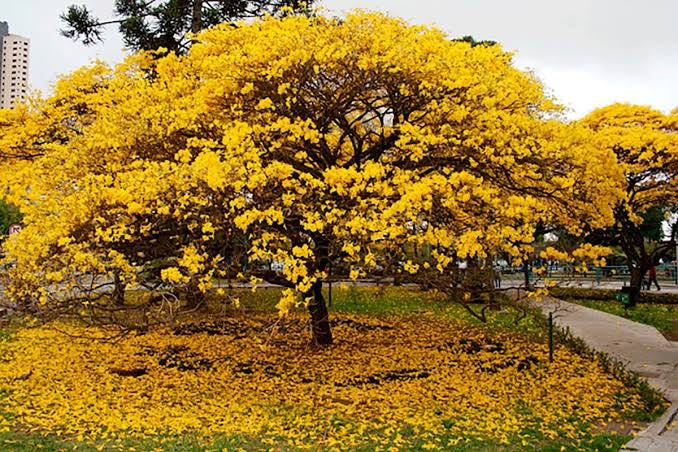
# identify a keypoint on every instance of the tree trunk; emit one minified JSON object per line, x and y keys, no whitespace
{"x":637,"y":273}
{"x":196,"y":18}
{"x":526,"y":274}
{"x":320,"y":322}
{"x":632,"y":243}
{"x":119,"y":286}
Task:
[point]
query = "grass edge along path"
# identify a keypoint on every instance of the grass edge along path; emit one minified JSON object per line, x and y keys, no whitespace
{"x":663,"y":317}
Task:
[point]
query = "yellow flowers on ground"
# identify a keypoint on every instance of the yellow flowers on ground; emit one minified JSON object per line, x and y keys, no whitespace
{"x":388,"y":381}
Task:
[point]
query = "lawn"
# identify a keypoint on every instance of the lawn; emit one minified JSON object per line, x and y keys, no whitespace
{"x":407,"y":372}
{"x":664,"y":317}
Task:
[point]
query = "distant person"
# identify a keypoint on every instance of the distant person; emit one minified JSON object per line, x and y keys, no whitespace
{"x":653,"y":278}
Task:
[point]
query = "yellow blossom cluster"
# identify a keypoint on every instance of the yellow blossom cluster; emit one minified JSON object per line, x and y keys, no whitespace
{"x":646,"y":144}
{"x":582,"y":255}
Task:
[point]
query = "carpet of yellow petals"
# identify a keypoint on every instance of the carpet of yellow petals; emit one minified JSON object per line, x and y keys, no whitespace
{"x":386,"y":382}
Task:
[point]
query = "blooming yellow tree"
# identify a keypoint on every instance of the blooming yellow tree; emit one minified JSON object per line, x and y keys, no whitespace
{"x":303,"y":141}
{"x":645,"y":142}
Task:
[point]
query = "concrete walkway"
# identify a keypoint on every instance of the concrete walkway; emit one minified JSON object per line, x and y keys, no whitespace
{"x":642,"y":348}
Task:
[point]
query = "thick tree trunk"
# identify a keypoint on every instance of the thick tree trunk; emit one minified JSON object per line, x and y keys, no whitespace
{"x":320,"y":322}
{"x":196,"y":17}
{"x":119,"y":286}
{"x":632,"y":243}
{"x":637,"y":273}
{"x":638,"y":270}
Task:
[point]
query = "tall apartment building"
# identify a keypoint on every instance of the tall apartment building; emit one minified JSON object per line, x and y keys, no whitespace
{"x":13,"y":67}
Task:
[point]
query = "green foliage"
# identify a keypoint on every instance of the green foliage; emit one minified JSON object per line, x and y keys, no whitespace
{"x":651,"y":228}
{"x":471,"y":40}
{"x":8,"y":216}
{"x":149,"y":25}
{"x":81,"y":25}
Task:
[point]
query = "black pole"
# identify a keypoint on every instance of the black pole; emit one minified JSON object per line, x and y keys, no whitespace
{"x":550,"y":337}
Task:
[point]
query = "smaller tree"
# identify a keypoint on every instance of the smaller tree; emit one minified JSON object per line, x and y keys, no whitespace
{"x":645,"y":142}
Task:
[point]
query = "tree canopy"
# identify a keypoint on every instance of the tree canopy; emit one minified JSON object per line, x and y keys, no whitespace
{"x":645,"y":142}
{"x":302,"y":141}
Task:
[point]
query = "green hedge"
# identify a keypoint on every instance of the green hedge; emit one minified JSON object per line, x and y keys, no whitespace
{"x":579,"y":293}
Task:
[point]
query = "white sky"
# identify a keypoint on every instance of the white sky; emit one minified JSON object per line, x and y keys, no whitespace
{"x":589,"y":53}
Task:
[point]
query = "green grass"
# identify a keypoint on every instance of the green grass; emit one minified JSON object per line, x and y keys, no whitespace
{"x":410,"y":301}
{"x":383,"y":300}
{"x":15,"y":442}
{"x":191,"y":443}
{"x":662,"y":317}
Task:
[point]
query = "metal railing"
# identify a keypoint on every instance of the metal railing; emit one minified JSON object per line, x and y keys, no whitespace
{"x":665,"y":273}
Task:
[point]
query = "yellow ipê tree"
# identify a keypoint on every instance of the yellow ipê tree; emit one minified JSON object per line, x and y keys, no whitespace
{"x":645,"y":142}
{"x":304,"y":141}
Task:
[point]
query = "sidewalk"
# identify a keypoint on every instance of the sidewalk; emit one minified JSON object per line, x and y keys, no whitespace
{"x":642,"y":348}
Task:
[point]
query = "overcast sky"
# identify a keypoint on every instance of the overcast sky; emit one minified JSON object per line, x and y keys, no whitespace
{"x":588,"y":53}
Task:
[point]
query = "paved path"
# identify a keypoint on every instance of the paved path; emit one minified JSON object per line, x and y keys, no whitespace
{"x":643,"y":349}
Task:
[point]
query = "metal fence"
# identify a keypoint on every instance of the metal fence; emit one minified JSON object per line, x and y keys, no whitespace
{"x":665,"y":272}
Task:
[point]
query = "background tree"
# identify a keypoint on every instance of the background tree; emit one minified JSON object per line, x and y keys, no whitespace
{"x":319,"y":140}
{"x":645,"y":142}
{"x":9,"y":215}
{"x":152,"y":24}
{"x":471,"y":40}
